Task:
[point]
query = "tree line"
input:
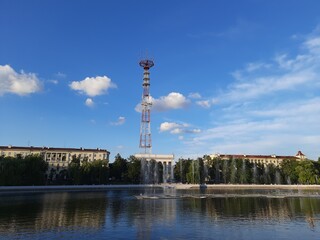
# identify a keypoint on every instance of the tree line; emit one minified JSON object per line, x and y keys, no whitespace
{"x":18,"y":171}
{"x":79,"y":172}
{"x":242,"y":171}
{"x":33,"y":170}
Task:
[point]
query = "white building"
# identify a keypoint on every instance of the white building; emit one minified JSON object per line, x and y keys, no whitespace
{"x":56,"y":156}
{"x":263,"y":159}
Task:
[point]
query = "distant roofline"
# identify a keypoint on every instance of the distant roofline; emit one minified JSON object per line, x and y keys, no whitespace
{"x":273,"y":156}
{"x":53,"y":148}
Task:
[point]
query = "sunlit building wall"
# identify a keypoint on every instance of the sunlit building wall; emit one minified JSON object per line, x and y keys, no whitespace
{"x":262,"y":159}
{"x":56,"y":156}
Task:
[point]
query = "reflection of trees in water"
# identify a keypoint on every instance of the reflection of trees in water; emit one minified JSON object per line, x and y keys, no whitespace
{"x":116,"y":205}
{"x":255,"y":208}
{"x":50,"y":211}
{"x":18,"y":216}
{"x":118,"y":208}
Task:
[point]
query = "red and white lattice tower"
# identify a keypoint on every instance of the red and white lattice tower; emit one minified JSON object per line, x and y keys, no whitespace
{"x":145,"y":129}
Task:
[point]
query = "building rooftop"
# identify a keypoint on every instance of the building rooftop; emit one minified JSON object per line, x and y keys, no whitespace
{"x":298,"y":155}
{"x":53,"y":149}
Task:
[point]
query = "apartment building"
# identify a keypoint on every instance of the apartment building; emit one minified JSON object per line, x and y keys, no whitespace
{"x":263,"y":159}
{"x":56,"y":156}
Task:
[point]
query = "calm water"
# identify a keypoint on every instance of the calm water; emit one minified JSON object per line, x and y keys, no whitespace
{"x":117,"y":214}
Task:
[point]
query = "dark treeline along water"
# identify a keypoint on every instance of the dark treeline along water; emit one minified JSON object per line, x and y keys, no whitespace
{"x":33,"y":170}
{"x":117,"y":214}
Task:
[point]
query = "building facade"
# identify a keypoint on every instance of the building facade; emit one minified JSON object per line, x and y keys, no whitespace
{"x":56,"y":156}
{"x":262,"y":159}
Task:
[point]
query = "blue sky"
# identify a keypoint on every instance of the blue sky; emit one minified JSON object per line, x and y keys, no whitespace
{"x":229,"y":76}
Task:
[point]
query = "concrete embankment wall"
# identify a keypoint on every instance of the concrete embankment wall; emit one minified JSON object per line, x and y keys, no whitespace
{"x":13,"y":189}
{"x":245,"y":186}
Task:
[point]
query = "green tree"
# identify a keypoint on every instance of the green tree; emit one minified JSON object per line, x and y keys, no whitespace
{"x":160,"y":170}
{"x":99,"y":172}
{"x":35,"y":170}
{"x":307,"y":172}
{"x":119,"y":169}
{"x":75,"y":171}
{"x":134,"y":169}
{"x":225,"y":171}
{"x":193,"y":174}
{"x":289,"y":172}
{"x":22,"y":171}
{"x":181,"y":170}
{"x":210,"y":166}
{"x":177,"y":171}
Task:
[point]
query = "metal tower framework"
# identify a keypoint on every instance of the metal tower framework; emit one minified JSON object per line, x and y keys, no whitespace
{"x":145,"y":129}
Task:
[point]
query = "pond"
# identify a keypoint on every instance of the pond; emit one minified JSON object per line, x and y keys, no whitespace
{"x":155,"y":213}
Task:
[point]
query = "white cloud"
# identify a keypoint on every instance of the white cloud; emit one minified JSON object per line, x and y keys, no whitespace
{"x":172,"y":101}
{"x":177,"y":131}
{"x":195,"y":95}
{"x":177,"y":128}
{"x":279,"y":128}
{"x":271,"y":108}
{"x":206,"y":103}
{"x":60,"y":75}
{"x":299,"y":108}
{"x":167,"y":126}
{"x":18,"y":83}
{"x":313,"y":44}
{"x":93,"y":86}
{"x":195,"y":130}
{"x":268,"y":84}
{"x":284,"y":73}
{"x":53,"y":81}
{"x":254,"y":66}
{"x":120,"y":121}
{"x":89,"y":102}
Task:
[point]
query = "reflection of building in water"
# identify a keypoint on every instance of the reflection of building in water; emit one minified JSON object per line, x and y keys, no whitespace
{"x":62,"y":211}
{"x":263,"y":159}
{"x":52,"y":211}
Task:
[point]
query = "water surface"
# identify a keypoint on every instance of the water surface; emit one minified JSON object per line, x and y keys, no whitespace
{"x":118,"y":214}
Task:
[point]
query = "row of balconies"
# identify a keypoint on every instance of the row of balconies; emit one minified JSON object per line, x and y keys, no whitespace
{"x":55,"y":156}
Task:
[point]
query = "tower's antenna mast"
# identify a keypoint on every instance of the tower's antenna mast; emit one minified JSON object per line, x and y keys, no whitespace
{"x":145,"y":129}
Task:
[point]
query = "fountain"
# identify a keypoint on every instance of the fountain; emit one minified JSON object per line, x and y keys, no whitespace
{"x":233,"y":170}
{"x":266,"y":177}
{"x":149,"y":172}
{"x":243,"y":178}
{"x":225,"y":170}
{"x":217,"y":171}
{"x":254,"y":170}
{"x":278,"y":177}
